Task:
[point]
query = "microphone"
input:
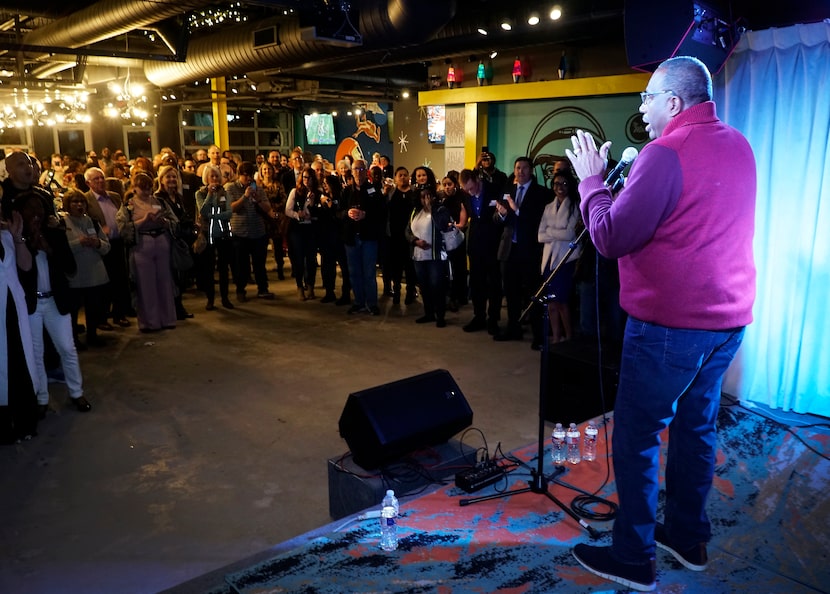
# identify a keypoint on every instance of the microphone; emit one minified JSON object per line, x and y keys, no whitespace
{"x":627,"y":158}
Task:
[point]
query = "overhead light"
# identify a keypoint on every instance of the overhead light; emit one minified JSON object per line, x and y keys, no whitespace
{"x":493,"y":54}
{"x":556,"y":13}
{"x":482,"y":31}
{"x":506,"y":25}
{"x":405,"y":94}
{"x":533,"y":19}
{"x":333,"y":113}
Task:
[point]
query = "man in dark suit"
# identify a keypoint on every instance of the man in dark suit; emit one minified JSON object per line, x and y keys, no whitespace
{"x":520,"y":253}
{"x":483,"y":237}
{"x":294,"y":173}
{"x":102,"y":206}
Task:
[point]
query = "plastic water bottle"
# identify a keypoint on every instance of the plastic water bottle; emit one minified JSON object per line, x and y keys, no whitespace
{"x":558,"y":440}
{"x":388,"y":522}
{"x":572,"y":441}
{"x":589,"y":443}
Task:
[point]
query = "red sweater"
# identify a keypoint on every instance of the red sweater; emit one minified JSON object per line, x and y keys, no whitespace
{"x":682,"y":227}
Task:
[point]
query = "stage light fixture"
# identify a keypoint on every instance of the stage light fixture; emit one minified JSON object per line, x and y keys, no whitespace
{"x":506,"y":25}
{"x":482,"y":31}
{"x":533,"y":19}
{"x":556,"y":13}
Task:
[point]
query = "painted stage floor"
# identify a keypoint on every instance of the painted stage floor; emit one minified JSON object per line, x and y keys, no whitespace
{"x":769,"y":511}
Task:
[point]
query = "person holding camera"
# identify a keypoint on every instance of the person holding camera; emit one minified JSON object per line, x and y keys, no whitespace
{"x":215,"y":215}
{"x":250,"y":236}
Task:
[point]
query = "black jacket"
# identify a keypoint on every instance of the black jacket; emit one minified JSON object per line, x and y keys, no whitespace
{"x":61,"y":266}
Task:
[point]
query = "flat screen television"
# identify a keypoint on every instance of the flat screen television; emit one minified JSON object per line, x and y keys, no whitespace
{"x":436,"y":123}
{"x":319,"y":129}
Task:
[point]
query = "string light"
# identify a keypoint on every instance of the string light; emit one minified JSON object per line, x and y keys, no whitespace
{"x":212,"y":17}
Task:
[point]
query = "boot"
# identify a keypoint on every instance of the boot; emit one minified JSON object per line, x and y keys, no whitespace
{"x":301,"y":294}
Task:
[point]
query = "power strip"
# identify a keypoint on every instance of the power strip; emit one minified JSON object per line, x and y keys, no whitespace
{"x":479,"y":476}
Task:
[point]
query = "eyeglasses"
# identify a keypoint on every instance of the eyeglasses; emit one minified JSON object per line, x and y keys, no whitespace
{"x":645,"y":96}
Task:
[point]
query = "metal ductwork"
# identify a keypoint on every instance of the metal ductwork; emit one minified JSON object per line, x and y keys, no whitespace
{"x":106,"y":19}
{"x":383,"y":24}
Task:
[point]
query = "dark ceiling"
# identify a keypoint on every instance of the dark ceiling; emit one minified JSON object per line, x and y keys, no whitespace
{"x":61,"y":44}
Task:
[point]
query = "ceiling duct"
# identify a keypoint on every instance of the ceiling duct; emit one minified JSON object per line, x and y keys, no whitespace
{"x":106,"y":19}
{"x":383,"y":24}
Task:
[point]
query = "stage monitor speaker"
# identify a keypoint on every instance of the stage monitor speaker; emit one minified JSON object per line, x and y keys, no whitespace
{"x":382,"y":424}
{"x":574,"y":379}
{"x":656,"y":30}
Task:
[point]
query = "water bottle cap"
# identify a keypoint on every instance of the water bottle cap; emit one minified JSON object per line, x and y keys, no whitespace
{"x":390,"y":493}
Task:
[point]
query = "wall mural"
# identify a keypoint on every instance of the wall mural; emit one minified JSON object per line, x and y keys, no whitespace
{"x":517,"y":131}
{"x":371,"y":123}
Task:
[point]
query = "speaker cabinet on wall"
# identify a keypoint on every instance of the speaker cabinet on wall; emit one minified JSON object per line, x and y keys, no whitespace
{"x":656,"y":30}
{"x":383,"y":423}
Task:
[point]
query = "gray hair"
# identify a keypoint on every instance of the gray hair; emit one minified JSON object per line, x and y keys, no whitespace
{"x":207,"y":169}
{"x":688,"y":78}
{"x":91,"y":170}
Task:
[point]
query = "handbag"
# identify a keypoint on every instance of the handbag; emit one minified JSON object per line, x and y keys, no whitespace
{"x":453,"y":238}
{"x":200,"y":244}
{"x":180,"y":256}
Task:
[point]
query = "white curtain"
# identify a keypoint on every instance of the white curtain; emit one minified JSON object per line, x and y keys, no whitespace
{"x":775,"y":88}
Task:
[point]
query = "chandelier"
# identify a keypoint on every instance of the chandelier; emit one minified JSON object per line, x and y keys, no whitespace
{"x":26,"y":108}
{"x":130,"y":102}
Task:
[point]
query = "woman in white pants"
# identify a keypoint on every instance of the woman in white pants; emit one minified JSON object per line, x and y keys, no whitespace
{"x":48,"y":298}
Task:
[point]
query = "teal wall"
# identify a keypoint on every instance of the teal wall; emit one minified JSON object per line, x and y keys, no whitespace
{"x":542,"y":129}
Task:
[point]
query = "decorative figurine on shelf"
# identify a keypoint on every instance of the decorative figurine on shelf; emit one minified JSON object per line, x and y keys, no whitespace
{"x":451,"y":77}
{"x":517,"y":69}
{"x":481,"y":73}
{"x":563,"y":65}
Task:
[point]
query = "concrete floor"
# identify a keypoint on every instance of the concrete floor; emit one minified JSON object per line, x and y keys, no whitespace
{"x":208,"y":444}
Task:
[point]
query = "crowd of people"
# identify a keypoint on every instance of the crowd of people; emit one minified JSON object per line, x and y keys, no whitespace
{"x":120,"y":240}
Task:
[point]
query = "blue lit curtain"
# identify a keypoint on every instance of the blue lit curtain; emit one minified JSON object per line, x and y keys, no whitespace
{"x":775,"y":88}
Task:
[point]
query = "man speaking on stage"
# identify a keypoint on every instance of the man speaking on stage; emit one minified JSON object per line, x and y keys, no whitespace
{"x":682,"y":229}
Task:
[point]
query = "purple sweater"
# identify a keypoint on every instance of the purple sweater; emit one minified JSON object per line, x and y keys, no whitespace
{"x":682,"y":227}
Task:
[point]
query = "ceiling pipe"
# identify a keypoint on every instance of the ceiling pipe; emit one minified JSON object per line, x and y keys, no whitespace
{"x":106,"y":19}
{"x":383,"y":24}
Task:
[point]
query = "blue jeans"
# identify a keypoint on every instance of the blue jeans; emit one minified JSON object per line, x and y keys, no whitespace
{"x":363,"y":260}
{"x":668,"y":377}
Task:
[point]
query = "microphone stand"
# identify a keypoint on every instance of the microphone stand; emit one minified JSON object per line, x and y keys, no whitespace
{"x":538,"y":482}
